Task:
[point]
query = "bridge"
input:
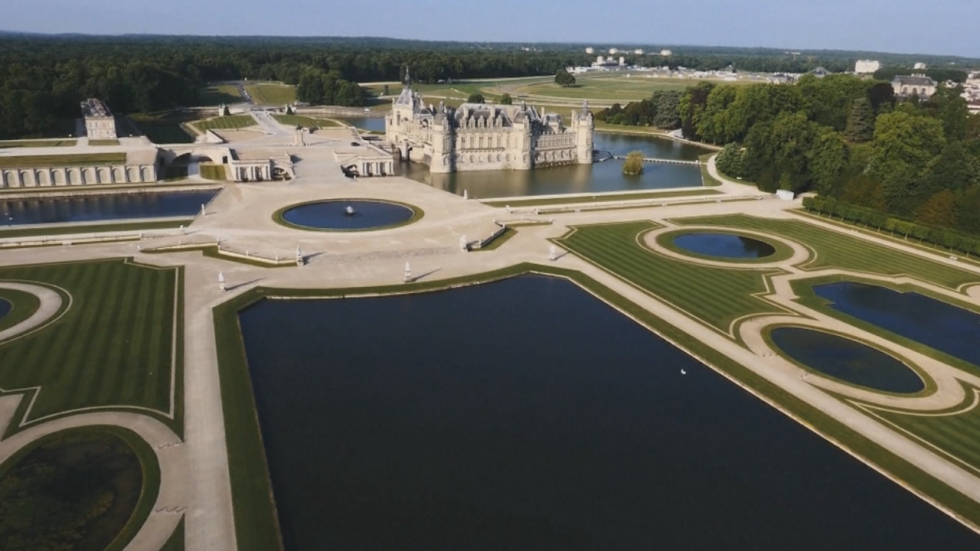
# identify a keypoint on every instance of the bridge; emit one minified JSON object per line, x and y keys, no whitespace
{"x":662,"y":161}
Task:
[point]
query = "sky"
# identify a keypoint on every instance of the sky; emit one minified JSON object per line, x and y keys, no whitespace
{"x":901,"y":26}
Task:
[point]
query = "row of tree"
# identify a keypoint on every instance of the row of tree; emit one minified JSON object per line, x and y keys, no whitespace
{"x":851,"y":140}
{"x":318,"y":87}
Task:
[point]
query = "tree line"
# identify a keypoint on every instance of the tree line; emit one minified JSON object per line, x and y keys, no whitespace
{"x":850,"y":140}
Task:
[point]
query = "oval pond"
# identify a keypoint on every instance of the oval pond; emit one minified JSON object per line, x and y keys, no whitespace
{"x":333,"y":215}
{"x":847,"y":360}
{"x":725,"y":245}
{"x":5,"y":307}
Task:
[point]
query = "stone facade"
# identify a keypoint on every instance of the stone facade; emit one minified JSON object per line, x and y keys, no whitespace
{"x":479,"y":136}
{"x":99,"y":122}
{"x":919,"y":85}
{"x":78,"y":175}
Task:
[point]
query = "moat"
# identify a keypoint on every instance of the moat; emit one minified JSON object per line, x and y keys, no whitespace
{"x":598,"y":177}
{"x":444,"y":421}
{"x":102,"y":207}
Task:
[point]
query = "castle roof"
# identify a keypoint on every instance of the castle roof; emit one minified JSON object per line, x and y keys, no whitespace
{"x":913,"y":80}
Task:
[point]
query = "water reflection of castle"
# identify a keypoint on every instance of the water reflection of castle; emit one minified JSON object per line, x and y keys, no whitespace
{"x":479,"y":136}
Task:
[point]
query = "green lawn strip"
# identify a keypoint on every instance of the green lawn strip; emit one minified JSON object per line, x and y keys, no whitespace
{"x":417,"y":214}
{"x":148,"y":464}
{"x":231,"y":122}
{"x":39,"y":143}
{"x":271,"y":94}
{"x":692,"y":288}
{"x":23,"y":306}
{"x":706,"y":177}
{"x":214,"y":172}
{"x":504,"y":237}
{"x":220,"y":94}
{"x":95,"y":228}
{"x":162,"y":131}
{"x":306,"y":122}
{"x":255,"y":517}
{"x":121,"y":319}
{"x":176,"y":540}
{"x":836,"y":250}
{"x":921,"y":245}
{"x":103,"y":142}
{"x":782,"y":251}
{"x":211,"y":251}
{"x":600,"y":198}
{"x":62,"y":160}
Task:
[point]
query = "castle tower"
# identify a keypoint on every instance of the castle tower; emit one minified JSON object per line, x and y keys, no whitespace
{"x":583,"y":124}
{"x":443,"y":145}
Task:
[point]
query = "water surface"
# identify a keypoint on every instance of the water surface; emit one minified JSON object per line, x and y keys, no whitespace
{"x":934,"y":323}
{"x":376,"y":124}
{"x":725,"y":245}
{"x":598,"y":177}
{"x":527,"y":414}
{"x":333,"y":215}
{"x":5,"y":307}
{"x":92,"y":208}
{"x":847,"y":360}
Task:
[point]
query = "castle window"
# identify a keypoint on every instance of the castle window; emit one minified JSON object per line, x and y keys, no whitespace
{"x":481,"y":142}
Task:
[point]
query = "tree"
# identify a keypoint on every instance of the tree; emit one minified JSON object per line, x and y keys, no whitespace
{"x":902,"y":148}
{"x":939,"y":210}
{"x":729,"y":161}
{"x":506,"y":100}
{"x":564,"y":79}
{"x":860,"y":121}
{"x":476,"y":98}
{"x":384,"y":90}
{"x":634,"y":163}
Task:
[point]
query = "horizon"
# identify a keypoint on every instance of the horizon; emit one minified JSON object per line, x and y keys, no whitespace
{"x":902,"y":27}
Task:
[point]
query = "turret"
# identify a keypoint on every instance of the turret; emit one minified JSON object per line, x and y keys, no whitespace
{"x":583,"y":124}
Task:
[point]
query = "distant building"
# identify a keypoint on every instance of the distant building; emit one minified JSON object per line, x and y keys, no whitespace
{"x":590,"y":50}
{"x":866,"y":66}
{"x":600,"y":60}
{"x":99,"y":122}
{"x":920,"y":85}
{"x":666,"y":53}
{"x":638,"y":51}
{"x":613,"y":51}
{"x":820,"y":72}
{"x":919,"y":66}
{"x":622,"y":61}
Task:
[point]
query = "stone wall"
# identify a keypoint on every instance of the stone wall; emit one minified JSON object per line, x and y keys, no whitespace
{"x":77,"y":176}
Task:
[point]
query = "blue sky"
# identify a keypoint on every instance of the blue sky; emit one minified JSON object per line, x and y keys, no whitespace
{"x":910,"y":26}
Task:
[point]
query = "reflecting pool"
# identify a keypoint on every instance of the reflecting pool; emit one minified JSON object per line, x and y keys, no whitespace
{"x":847,"y":360}
{"x":347,"y":215}
{"x":5,"y":307}
{"x":113,"y":206}
{"x":527,"y":414}
{"x":934,"y":323}
{"x":376,"y":124}
{"x":725,"y":245}
{"x":598,"y":177}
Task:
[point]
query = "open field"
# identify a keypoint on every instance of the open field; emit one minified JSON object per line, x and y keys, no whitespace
{"x":611,"y":87}
{"x":62,"y":160}
{"x":214,"y":172}
{"x":230,"y":122}
{"x":600,"y":198}
{"x":220,"y":94}
{"x":271,"y":94}
{"x":121,"y":318}
{"x":38,"y":143}
{"x":305,"y":122}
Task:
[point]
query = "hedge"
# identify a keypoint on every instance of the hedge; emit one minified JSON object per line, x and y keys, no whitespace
{"x":947,"y":238}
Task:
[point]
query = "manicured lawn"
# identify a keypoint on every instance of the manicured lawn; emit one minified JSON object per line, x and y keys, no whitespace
{"x":94,"y":228}
{"x":690,"y":287}
{"x":600,"y":198}
{"x":176,"y":541}
{"x":24,"y":305}
{"x":162,"y":130}
{"x":305,"y":122}
{"x":62,"y":160}
{"x":838,"y":250}
{"x":230,"y":122}
{"x":958,"y":436}
{"x":103,"y":142}
{"x":706,"y":176}
{"x":612,"y":87}
{"x":500,"y":240}
{"x":112,"y":347}
{"x":39,"y":143}
{"x":271,"y":94}
{"x":213,"y":172}
{"x":220,"y":94}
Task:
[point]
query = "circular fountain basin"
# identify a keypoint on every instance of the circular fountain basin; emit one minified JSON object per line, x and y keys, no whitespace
{"x":847,"y":360}
{"x":348,"y":215}
{"x":723,"y":245}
